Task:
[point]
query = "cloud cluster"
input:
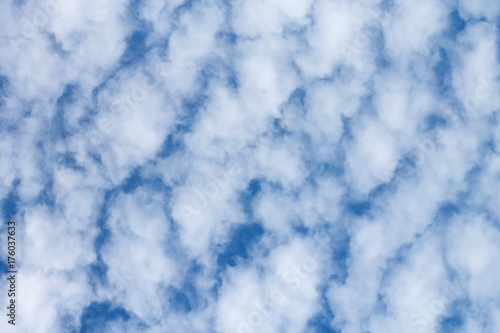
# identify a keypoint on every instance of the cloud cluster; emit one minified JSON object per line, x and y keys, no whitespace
{"x":252,"y":166}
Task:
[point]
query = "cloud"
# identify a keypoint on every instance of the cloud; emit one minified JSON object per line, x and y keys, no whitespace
{"x":265,"y":166}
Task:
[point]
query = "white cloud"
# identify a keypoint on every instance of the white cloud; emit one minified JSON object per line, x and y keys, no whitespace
{"x":373,"y":156}
{"x":319,"y":102}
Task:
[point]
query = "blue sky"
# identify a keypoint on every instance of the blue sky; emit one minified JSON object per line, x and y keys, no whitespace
{"x":213,"y":166}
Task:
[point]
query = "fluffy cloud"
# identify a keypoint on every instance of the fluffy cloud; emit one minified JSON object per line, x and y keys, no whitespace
{"x":263,"y":166}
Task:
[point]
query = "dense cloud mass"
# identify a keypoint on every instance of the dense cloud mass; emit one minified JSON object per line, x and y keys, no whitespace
{"x":263,"y":166}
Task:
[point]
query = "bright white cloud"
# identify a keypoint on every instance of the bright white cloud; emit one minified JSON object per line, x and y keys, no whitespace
{"x":263,"y":166}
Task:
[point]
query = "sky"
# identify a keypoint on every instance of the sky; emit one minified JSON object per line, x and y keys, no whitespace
{"x":230,"y":166}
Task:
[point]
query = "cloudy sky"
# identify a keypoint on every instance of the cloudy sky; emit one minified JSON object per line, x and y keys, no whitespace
{"x":251,"y":166}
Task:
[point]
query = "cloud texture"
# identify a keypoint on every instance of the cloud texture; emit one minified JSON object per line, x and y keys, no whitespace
{"x":255,"y":166}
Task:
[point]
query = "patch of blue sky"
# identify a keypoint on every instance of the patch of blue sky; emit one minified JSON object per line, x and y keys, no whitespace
{"x":191,"y":107}
{"x":237,"y":249}
{"x":4,"y":84}
{"x":297,"y":32}
{"x":355,"y":206}
{"x":10,"y":203}
{"x":59,"y":128}
{"x":367,"y":104}
{"x":300,"y":228}
{"x":135,"y":50}
{"x":347,"y":133}
{"x":227,"y":37}
{"x":447,"y":210}
{"x":358,"y":208}
{"x":47,"y":197}
{"x":19,"y":3}
{"x":338,"y":250}
{"x":406,"y":167}
{"x":399,"y":258}
{"x":246,"y":198}
{"x":57,"y":46}
{"x":389,"y":5}
{"x":333,"y":169}
{"x":98,"y":269}
{"x":184,"y":7}
{"x":96,"y":316}
{"x":442,"y":71}
{"x":171,"y":145}
{"x":456,"y":25}
{"x":68,"y":160}
{"x":434,"y":121}
{"x":322,"y":321}
{"x":10,"y":208}
{"x":455,"y":316}
{"x":133,"y":8}
{"x":374,"y":33}
{"x":186,"y":298}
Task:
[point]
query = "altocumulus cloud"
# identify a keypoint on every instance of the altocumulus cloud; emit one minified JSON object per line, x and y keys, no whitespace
{"x":230,"y":166}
